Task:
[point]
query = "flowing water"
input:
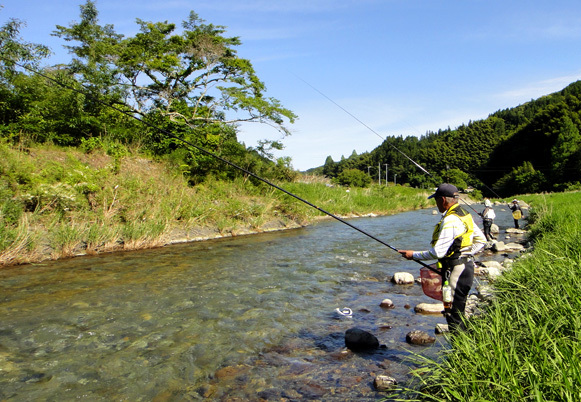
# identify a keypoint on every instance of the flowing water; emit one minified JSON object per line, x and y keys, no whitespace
{"x":243,"y":318}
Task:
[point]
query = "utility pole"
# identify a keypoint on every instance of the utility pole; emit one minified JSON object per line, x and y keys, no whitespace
{"x":385,"y":173}
{"x":395,"y":179}
{"x":368,"y":167}
{"x":379,"y":174}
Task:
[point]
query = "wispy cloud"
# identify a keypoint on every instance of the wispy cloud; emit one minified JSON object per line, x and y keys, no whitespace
{"x":538,"y":89}
{"x":571,"y":30}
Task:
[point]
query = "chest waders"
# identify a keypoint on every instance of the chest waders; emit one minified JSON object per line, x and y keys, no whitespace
{"x":456,"y":269}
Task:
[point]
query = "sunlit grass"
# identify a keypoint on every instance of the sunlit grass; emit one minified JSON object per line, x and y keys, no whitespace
{"x":75,"y":203}
{"x":526,"y":347}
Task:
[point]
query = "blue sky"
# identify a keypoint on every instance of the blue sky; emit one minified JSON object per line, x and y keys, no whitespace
{"x":402,"y":67}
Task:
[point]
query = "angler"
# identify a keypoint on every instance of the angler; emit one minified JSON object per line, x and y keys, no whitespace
{"x":454,"y":242}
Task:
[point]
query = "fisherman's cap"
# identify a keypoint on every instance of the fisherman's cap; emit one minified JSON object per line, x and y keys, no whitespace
{"x":445,"y":190}
{"x":514,"y":201}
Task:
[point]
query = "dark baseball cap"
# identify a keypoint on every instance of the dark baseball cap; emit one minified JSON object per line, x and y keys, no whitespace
{"x":445,"y":190}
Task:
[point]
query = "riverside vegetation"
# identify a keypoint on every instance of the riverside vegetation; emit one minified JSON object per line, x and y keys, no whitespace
{"x":526,"y":345}
{"x":58,"y":202}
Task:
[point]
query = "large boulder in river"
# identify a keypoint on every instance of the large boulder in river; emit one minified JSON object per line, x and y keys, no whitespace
{"x":491,"y":269}
{"x":403,"y":278}
{"x":498,"y":246}
{"x":429,"y":308}
{"x":359,"y":340}
{"x":419,"y":338}
{"x":515,"y":246}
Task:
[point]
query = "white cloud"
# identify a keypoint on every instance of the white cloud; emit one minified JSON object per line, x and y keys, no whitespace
{"x":537,"y":89}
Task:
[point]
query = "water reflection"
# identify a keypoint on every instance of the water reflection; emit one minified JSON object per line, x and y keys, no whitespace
{"x":248,"y":317}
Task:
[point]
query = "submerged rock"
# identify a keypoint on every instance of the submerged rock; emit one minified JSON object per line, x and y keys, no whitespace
{"x":384,"y":382}
{"x":441,"y":328}
{"x":419,"y":338}
{"x":359,"y":340}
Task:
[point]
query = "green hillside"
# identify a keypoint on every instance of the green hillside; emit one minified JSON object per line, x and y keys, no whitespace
{"x":532,"y":147}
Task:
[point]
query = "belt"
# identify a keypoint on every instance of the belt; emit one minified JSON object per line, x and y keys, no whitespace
{"x":449,"y":263}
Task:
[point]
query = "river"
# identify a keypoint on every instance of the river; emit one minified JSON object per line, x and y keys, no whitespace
{"x":243,"y":318}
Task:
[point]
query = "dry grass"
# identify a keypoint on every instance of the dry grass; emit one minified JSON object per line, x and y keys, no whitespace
{"x":88,"y":203}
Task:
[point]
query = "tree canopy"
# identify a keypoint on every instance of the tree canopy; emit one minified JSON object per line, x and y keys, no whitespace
{"x":188,"y":80}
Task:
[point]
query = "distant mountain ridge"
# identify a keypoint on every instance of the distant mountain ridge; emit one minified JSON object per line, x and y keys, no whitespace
{"x":532,"y":147}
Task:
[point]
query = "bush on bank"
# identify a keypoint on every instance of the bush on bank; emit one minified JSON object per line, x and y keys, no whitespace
{"x":526,"y":346}
{"x":57,"y":202}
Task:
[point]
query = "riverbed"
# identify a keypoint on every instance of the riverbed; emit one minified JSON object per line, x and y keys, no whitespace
{"x":242,"y":318}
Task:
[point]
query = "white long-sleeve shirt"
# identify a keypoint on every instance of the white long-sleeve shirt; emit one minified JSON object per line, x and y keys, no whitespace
{"x":452,"y":227}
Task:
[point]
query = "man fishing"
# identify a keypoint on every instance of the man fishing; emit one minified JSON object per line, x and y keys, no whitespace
{"x":454,"y":242}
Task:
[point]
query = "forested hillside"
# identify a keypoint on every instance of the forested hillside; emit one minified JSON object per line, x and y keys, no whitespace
{"x":529,"y":148}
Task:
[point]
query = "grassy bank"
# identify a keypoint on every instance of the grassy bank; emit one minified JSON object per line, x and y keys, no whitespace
{"x":527,"y":345}
{"x":56,"y":203}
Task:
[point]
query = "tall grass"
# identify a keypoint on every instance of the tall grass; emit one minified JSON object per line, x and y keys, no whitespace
{"x":57,"y":202}
{"x":527,"y":344}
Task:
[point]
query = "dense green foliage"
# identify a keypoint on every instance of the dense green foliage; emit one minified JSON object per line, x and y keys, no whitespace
{"x":354,"y":178}
{"x":530,"y":148}
{"x":526,"y":345}
{"x":57,"y":202}
{"x":188,"y":82}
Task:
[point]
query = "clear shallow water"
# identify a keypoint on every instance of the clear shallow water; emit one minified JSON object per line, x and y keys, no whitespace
{"x":243,"y":318}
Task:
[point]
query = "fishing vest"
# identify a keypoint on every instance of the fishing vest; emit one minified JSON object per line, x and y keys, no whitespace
{"x":461,"y":241}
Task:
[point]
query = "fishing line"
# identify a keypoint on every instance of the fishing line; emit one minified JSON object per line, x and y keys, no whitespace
{"x":375,"y":132}
{"x":169,"y":134}
{"x":491,"y":190}
{"x":365,"y":125}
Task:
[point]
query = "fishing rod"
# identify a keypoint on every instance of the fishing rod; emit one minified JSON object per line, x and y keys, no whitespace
{"x":365,"y":125}
{"x":206,"y":152}
{"x":375,"y":132}
{"x":491,"y":190}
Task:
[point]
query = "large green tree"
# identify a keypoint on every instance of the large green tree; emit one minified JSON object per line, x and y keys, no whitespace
{"x":193,"y":77}
{"x":15,"y":52}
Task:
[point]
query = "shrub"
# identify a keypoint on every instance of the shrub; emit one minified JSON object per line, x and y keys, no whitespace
{"x":353,"y":178}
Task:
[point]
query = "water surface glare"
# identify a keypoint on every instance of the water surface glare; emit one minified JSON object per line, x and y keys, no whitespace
{"x":250,"y":317}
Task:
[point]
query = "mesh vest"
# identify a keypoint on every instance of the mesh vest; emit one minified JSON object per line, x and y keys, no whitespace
{"x":461,"y":241}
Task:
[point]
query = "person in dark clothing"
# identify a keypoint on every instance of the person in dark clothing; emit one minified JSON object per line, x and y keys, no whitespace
{"x":516,"y":212}
{"x":454,"y":242}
